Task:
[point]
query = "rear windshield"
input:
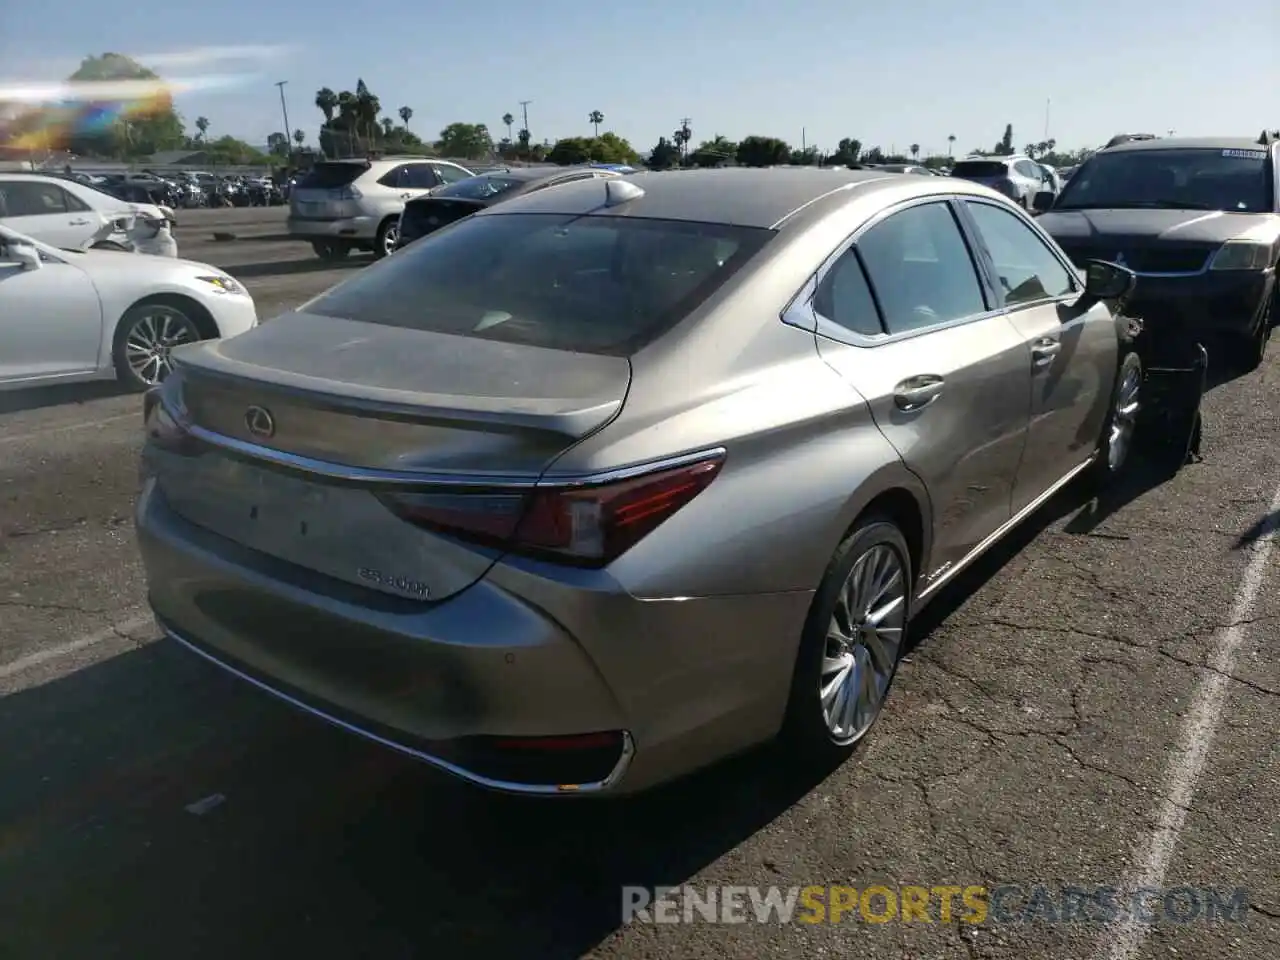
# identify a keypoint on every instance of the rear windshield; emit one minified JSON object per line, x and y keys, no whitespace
{"x":478,"y":188}
{"x":1173,"y":179}
{"x":980,"y":168}
{"x":327,"y":176}
{"x":594,"y":284}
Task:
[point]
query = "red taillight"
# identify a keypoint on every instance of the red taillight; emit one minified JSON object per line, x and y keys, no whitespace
{"x":162,"y":428}
{"x":589,"y":524}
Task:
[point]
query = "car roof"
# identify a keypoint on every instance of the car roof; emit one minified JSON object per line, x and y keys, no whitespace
{"x":1189,"y":143}
{"x":745,"y":196}
{"x":531,"y":174}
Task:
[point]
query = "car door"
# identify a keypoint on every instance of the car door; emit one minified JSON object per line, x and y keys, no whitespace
{"x":47,"y":213}
{"x":50,"y":320}
{"x":905,"y":316}
{"x":1072,"y":354}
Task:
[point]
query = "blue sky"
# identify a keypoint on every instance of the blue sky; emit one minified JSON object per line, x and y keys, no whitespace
{"x":887,"y":73}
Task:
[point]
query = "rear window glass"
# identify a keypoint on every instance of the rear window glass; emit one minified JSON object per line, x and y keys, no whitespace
{"x":594,"y":284}
{"x":980,"y":168}
{"x":326,"y":176}
{"x":479,"y":188}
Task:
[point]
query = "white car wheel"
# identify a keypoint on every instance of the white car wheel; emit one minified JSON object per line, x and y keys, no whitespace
{"x":144,"y":339}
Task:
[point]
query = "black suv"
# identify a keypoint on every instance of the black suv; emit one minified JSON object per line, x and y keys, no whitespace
{"x":1198,"y":220}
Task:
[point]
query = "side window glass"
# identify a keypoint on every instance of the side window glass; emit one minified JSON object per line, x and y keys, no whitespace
{"x":451,"y":174}
{"x":74,"y":203}
{"x":844,"y":297}
{"x":395,"y":177}
{"x":420,"y":176}
{"x":31,"y":199}
{"x":920,"y":269}
{"x":1026,"y":269}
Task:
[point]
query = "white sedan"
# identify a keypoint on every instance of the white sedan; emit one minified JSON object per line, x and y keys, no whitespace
{"x":76,"y":216}
{"x":71,"y":316}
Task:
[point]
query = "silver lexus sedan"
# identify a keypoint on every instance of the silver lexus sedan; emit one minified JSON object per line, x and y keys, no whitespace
{"x":596,"y":486}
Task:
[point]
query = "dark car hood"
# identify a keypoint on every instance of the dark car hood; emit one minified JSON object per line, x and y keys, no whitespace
{"x":1180,"y":226}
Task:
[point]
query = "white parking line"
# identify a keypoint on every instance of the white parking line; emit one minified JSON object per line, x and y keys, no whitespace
{"x":31,"y":660}
{"x":37,"y":434}
{"x":1185,"y":767}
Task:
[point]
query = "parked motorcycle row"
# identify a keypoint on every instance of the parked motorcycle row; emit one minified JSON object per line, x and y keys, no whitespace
{"x":188,"y":190}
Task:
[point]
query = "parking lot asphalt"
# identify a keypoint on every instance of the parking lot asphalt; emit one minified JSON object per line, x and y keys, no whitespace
{"x":1094,"y":704}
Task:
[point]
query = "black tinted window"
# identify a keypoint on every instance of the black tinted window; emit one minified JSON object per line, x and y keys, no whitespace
{"x":419,"y":176}
{"x":1193,"y":179}
{"x":328,"y":176}
{"x":1026,"y":269}
{"x":31,"y":198}
{"x":844,"y":297}
{"x":479,"y":188}
{"x":395,"y":177}
{"x":588,"y":284}
{"x":451,"y":174}
{"x":980,"y":168}
{"x":921,"y":269}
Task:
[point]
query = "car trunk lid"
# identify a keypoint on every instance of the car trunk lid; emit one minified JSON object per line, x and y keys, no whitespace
{"x":325,"y":192}
{"x":298,"y":435}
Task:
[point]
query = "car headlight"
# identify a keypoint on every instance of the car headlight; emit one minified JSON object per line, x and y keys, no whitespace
{"x":1242,"y":255}
{"x":225,"y":284}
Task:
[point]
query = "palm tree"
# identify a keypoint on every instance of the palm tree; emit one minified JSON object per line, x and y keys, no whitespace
{"x":951,"y":142}
{"x":406,"y":115}
{"x":367,"y":109}
{"x":507,"y":121}
{"x":595,"y":118}
{"x":202,"y":124}
{"x":915,"y":151}
{"x":299,"y":137}
{"x":388,"y":125}
{"x":327,"y":101}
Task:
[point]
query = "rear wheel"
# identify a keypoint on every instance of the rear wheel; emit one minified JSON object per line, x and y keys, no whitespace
{"x":388,"y":238}
{"x":852,"y":642}
{"x":144,"y":338}
{"x":330,"y":249}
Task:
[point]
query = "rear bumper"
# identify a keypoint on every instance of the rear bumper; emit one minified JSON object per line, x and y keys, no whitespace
{"x":1202,"y":305}
{"x":348,"y":228}
{"x":441,"y":682}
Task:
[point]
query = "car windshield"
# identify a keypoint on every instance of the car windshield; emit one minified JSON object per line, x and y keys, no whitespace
{"x":588,"y":284}
{"x":1174,"y":179}
{"x":478,"y":188}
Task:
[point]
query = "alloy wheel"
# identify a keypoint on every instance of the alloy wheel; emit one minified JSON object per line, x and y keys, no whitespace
{"x":150,"y":341}
{"x":1124,"y":418}
{"x":863,"y":642}
{"x":390,"y":239}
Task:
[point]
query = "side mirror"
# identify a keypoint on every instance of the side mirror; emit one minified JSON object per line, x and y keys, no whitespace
{"x":1104,"y":281}
{"x":26,"y":255}
{"x":1042,"y":202}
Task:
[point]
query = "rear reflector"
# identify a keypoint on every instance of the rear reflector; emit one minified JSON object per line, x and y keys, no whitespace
{"x":582,"y":524}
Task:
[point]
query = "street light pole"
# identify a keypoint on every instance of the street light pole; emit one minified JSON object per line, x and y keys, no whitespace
{"x":288,"y":133}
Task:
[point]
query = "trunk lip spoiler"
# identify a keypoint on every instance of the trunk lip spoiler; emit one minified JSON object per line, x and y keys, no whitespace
{"x":345,"y":474}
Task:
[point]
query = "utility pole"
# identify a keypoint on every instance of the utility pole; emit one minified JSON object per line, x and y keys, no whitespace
{"x":288,"y":133}
{"x":684,"y":144}
{"x":804,"y":143}
{"x":524,"y":112}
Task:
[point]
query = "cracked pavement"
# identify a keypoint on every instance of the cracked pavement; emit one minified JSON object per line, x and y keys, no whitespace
{"x":1026,"y":742}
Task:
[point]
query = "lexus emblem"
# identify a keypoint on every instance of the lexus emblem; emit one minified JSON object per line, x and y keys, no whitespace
{"x":260,"y":423}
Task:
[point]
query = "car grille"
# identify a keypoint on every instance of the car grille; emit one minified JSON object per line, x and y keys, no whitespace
{"x":1162,"y":259}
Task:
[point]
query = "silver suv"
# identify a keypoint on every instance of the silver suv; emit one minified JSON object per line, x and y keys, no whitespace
{"x":1017,"y":177}
{"x":345,"y":205}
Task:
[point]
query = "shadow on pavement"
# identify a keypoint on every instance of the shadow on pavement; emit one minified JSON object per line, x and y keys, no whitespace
{"x":36,"y":398}
{"x":311,"y":264}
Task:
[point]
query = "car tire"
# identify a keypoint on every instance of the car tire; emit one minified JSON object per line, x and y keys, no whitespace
{"x":330,"y":249}
{"x":1116,"y":441}
{"x":839,"y":641}
{"x":146,"y":334}
{"x":388,"y":238}
{"x":1250,"y":350}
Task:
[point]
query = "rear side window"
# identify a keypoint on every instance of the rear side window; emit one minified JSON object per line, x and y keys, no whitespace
{"x":921,"y":269}
{"x":329,"y":176}
{"x":594,"y":284}
{"x":31,"y":198}
{"x":980,"y":168}
{"x":451,"y":174}
{"x":844,"y":297}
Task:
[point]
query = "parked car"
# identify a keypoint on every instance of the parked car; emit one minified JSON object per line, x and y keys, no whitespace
{"x":608,"y":481}
{"x":345,"y":205}
{"x":1017,"y":177}
{"x":452,"y":202}
{"x":75,"y":216}
{"x":904,"y":168}
{"x":1198,"y":220}
{"x":70,"y":316}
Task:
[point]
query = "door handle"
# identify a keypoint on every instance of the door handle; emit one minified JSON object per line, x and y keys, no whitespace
{"x":79,"y":223}
{"x":1044,"y":350}
{"x":917,"y":393}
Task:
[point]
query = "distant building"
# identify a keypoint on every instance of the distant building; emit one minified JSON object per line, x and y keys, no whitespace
{"x":177,"y":158}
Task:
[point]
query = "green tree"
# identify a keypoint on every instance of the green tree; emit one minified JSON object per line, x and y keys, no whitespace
{"x":1005,"y":147}
{"x":915,"y":151}
{"x":367,"y":109}
{"x":156,"y":129}
{"x":847,"y":152}
{"x":327,"y":101}
{"x":714,"y":152}
{"x":507,"y":121}
{"x":467,"y":140}
{"x":664,"y":155}
{"x":202,"y":124}
{"x":406,"y":114}
{"x":278,"y":145}
{"x":874,"y":155}
{"x":299,"y":137}
{"x":595,"y":118}
{"x":682,"y":136}
{"x":951,"y":142}
{"x":757,"y":151}
{"x":606,"y":148}
{"x":806,"y":157}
